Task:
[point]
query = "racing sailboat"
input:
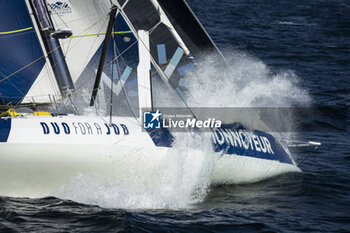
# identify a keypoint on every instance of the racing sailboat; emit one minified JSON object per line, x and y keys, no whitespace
{"x":58,"y":56}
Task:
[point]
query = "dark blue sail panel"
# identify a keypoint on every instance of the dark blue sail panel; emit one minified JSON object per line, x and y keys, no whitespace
{"x":19,"y":46}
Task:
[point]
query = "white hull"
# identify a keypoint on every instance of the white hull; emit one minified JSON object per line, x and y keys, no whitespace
{"x":37,"y":165}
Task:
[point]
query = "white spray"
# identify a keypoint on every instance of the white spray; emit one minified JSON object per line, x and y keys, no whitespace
{"x":183,"y":176}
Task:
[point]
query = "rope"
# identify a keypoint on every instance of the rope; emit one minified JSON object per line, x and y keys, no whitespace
{"x":170,"y":61}
{"x":49,"y":52}
{"x":100,"y":33}
{"x":15,"y":31}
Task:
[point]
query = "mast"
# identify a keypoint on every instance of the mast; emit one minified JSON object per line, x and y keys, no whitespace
{"x":53,"y":47}
{"x":113,"y":14}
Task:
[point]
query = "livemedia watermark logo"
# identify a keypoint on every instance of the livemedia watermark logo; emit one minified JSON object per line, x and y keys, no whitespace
{"x":282,"y":119}
{"x":177,"y":121}
{"x":152,"y":120}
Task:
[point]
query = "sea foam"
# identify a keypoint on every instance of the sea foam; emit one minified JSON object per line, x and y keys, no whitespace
{"x":183,"y":175}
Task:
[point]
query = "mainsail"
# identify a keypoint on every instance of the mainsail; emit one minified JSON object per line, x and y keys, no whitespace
{"x":172,"y":47}
{"x":22,"y":58}
{"x":88,"y":20}
{"x":26,"y":80}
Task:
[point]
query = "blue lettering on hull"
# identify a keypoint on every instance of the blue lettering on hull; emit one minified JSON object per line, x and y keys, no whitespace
{"x":235,"y":139}
{"x":83,"y":128}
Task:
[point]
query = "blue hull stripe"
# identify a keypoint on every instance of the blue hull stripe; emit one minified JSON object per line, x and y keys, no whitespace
{"x":5,"y":128}
{"x":234,"y":139}
{"x":230,"y":140}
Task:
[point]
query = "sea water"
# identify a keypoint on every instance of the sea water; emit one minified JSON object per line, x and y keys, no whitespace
{"x":282,"y":53}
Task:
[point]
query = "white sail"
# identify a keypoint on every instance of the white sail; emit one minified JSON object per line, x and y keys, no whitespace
{"x":44,"y":88}
{"x":88,"y":21}
{"x":45,"y":84}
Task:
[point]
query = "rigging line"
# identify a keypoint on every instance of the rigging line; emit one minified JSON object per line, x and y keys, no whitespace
{"x":108,"y":64}
{"x":123,"y":88}
{"x":100,"y":33}
{"x":95,"y":23}
{"x":171,"y":85}
{"x":26,"y":66}
{"x":16,"y":31}
{"x":120,"y":55}
{"x":154,"y":27}
{"x":49,"y":74}
{"x":112,"y":82}
{"x":170,"y":61}
{"x":67,"y":50}
{"x":43,"y":106}
{"x":110,"y":27}
{"x":127,"y":104}
{"x":91,"y":47}
{"x":56,"y":23}
{"x":13,"y":85}
{"x":5,"y":36}
{"x":61,"y":20}
{"x":93,"y":44}
{"x":77,"y":36}
{"x":51,"y":78}
{"x":80,"y":19}
{"x":169,"y":81}
{"x":303,"y":159}
{"x":123,"y":5}
{"x":78,"y":41}
{"x":47,"y":53}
